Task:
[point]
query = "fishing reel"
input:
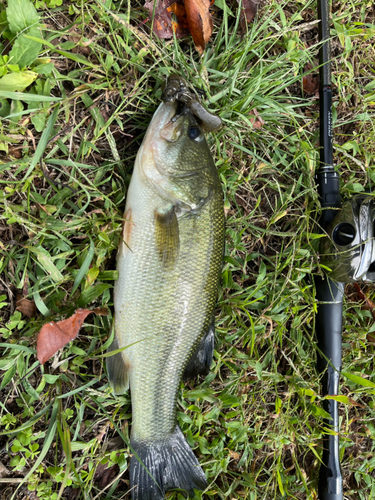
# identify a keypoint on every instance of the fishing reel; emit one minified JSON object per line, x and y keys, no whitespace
{"x":349,"y":249}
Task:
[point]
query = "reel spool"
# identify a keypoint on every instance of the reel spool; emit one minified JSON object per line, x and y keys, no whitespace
{"x":349,"y":249}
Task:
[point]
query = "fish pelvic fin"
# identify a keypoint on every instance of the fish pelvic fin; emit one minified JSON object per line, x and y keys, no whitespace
{"x":167,"y":237}
{"x":157,"y":467}
{"x":201,"y":360}
{"x":117,"y":370}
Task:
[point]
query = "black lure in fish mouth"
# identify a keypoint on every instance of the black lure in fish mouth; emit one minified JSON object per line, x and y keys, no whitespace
{"x":177,"y":89}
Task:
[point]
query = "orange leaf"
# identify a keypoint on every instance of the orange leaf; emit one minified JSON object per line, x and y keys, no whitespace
{"x":200,"y":22}
{"x":53,"y":336}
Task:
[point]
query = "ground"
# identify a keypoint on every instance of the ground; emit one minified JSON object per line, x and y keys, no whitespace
{"x":256,"y":421}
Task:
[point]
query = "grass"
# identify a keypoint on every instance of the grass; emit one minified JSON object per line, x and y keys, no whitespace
{"x":256,"y":421}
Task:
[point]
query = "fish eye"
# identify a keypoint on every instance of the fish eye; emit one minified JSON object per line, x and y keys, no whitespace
{"x":194,"y":132}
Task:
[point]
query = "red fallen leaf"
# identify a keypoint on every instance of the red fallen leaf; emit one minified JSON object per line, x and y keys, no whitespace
{"x":53,"y":336}
{"x":249,"y":9}
{"x":200,"y":22}
{"x":310,"y":82}
{"x":164,"y":25}
{"x":106,"y":474}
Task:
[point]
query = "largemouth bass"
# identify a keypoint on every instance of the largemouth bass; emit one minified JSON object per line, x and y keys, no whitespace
{"x":169,"y":264}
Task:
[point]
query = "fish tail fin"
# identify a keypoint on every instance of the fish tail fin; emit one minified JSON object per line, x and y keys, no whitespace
{"x":158,"y":467}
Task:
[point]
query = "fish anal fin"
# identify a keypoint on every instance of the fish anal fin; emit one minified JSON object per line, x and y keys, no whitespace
{"x":117,"y":370}
{"x":167,"y":237}
{"x":200,"y":362}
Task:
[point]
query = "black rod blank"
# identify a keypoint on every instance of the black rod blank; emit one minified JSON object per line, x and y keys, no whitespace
{"x":328,"y":329}
{"x":329,"y":293}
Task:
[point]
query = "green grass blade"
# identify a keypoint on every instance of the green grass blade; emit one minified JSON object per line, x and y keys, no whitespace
{"x":84,"y":268}
{"x":43,"y":142}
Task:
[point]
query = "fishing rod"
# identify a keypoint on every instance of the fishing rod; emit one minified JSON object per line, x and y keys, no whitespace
{"x":349,"y":252}
{"x":328,"y":322}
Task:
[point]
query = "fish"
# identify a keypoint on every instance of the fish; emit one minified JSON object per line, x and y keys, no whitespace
{"x":169,"y":263}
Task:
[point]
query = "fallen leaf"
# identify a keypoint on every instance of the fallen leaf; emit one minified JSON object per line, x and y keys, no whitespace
{"x":31,"y":496}
{"x":53,"y":336}
{"x":235,"y":455}
{"x":101,"y":311}
{"x":257,"y":121}
{"x":4,"y":472}
{"x":105,"y":475}
{"x":15,"y":152}
{"x":354,"y":403}
{"x":200,"y":22}
{"x":26,"y":306}
{"x":164,"y":26}
{"x":310,"y":82}
{"x":102,"y":432}
{"x":249,"y":9}
{"x":368,"y":304}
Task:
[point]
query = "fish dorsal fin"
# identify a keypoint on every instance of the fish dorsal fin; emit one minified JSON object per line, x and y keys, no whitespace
{"x":200,"y":362}
{"x":117,"y":369}
{"x":167,"y":237}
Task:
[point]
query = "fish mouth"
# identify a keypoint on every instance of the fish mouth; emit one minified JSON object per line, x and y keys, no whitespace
{"x":154,"y":139}
{"x":162,"y":118}
{"x":177,"y":89}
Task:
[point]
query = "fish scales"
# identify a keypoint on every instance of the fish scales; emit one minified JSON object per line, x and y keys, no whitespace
{"x":169,"y":268}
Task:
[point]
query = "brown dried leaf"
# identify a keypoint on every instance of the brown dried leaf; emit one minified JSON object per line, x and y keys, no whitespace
{"x":101,"y":311}
{"x":105,"y":475}
{"x":354,"y":403}
{"x":26,"y":306}
{"x":4,"y":472}
{"x":310,"y":82}
{"x":257,"y":121}
{"x":102,"y":432}
{"x":164,"y":25}
{"x":200,"y":22}
{"x":53,"y":336}
{"x":249,"y":9}
{"x":31,"y":496}
{"x":235,"y":455}
{"x":368,"y":304}
{"x":15,"y":152}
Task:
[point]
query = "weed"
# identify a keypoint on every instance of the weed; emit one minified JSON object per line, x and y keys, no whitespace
{"x":68,"y":140}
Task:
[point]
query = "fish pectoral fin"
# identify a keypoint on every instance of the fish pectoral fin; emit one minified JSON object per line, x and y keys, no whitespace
{"x":200,"y":362}
{"x":117,"y":370}
{"x":167,"y":237}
